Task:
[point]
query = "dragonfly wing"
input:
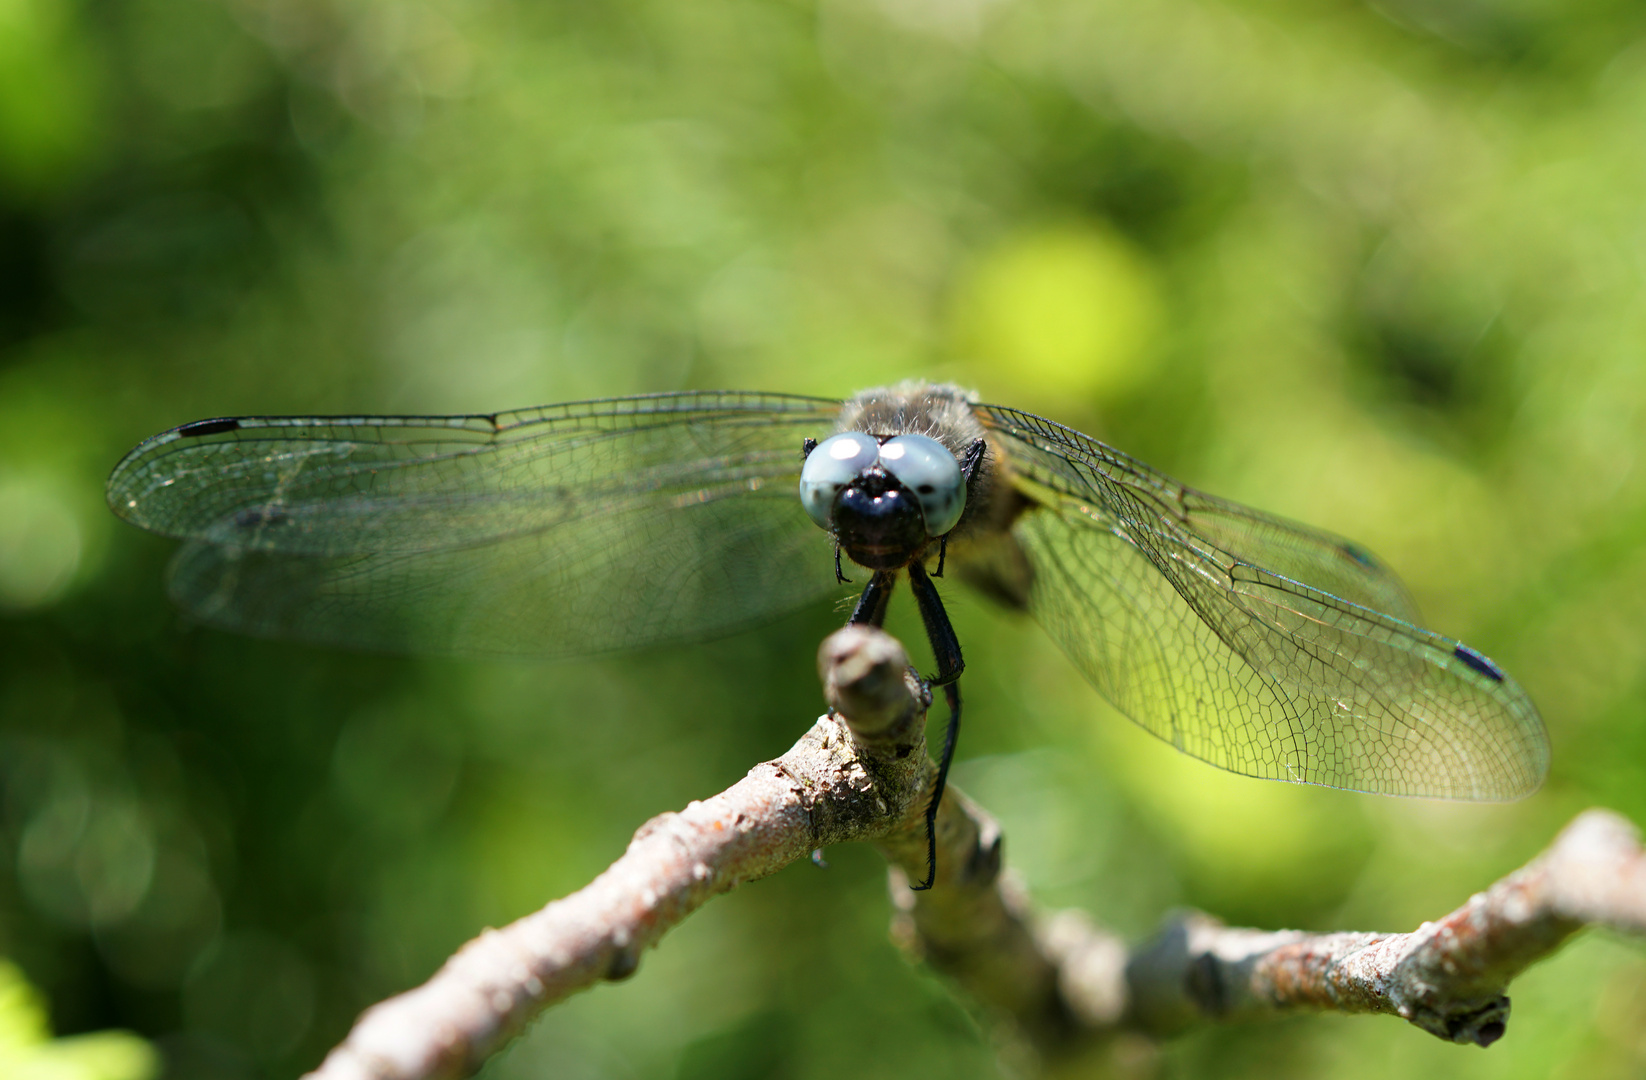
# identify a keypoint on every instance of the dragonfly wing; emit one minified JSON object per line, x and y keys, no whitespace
{"x":559,"y":531}
{"x":1217,"y":629}
{"x":1326,"y":561}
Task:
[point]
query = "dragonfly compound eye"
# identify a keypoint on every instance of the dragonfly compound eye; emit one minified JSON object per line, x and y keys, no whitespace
{"x":833,"y":464}
{"x":930,"y":472}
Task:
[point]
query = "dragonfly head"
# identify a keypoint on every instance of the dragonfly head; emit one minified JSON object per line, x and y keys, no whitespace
{"x":885,"y":498}
{"x":878,"y":523}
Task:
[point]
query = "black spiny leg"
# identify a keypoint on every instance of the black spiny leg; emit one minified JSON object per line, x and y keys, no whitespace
{"x":871,"y":605}
{"x":969,"y":464}
{"x":946,"y":648}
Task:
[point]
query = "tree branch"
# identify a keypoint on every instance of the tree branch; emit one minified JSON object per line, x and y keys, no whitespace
{"x":844,"y":780}
{"x":862,"y":773}
{"x":1447,"y":977}
{"x":1070,"y":981}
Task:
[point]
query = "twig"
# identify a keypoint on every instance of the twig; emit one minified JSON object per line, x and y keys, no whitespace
{"x":1059,"y":983}
{"x":844,"y":780}
{"x":1447,"y":977}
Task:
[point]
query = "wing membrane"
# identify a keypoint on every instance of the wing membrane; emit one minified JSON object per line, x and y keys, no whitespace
{"x":1263,"y":647}
{"x":558,"y":531}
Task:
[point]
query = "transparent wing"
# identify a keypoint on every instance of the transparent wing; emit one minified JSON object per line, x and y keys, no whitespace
{"x":563,"y":530}
{"x":1255,"y":644}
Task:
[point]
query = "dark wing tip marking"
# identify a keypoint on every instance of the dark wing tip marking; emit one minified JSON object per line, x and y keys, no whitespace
{"x":1359,"y":555}
{"x":1478,"y":662}
{"x":207,"y":427}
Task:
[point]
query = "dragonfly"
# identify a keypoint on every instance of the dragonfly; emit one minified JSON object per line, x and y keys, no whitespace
{"x":1259,"y":645}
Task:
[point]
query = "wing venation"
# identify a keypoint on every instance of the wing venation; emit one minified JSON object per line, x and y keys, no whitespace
{"x":1258,"y":645}
{"x":556,"y":531}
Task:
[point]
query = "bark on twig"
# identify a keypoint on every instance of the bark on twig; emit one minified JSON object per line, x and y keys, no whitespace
{"x":1057,"y":981}
{"x":1447,"y":977}
{"x":844,"y":780}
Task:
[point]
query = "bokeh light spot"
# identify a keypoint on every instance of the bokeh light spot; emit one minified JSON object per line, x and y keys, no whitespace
{"x":40,"y":542}
{"x":255,"y":989}
{"x":28,"y":1052}
{"x":87,"y":857}
{"x":47,"y":95}
{"x":1066,"y":309}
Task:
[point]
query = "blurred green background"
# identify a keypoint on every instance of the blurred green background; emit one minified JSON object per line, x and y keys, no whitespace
{"x":1377,"y":266}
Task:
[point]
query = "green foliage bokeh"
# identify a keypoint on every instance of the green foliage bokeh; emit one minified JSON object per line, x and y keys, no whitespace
{"x":1374,"y":266}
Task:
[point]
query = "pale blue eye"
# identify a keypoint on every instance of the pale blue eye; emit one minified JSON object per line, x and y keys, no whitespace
{"x":927,"y":468}
{"x":834,"y":463}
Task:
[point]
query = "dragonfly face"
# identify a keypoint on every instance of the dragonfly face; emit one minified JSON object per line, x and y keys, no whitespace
{"x":885,"y":498}
{"x":1257,"y":644}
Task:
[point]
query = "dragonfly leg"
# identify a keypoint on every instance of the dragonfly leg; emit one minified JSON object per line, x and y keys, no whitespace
{"x":969,"y":464}
{"x":871,"y":605}
{"x":951,"y":693}
{"x":945,"y":645}
{"x":946,"y":648}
